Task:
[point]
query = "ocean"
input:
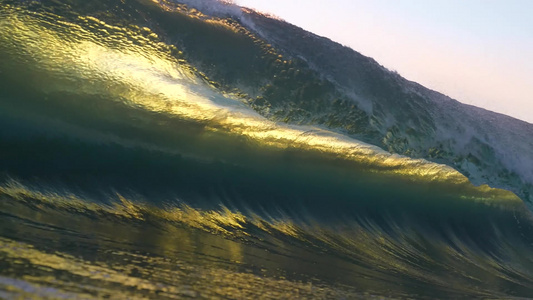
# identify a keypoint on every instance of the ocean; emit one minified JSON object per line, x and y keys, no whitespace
{"x":171,"y":150}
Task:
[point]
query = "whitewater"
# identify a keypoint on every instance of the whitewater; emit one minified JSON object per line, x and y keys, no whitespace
{"x":160,"y":149}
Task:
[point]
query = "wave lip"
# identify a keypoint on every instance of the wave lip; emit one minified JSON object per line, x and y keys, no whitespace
{"x":150,"y":81}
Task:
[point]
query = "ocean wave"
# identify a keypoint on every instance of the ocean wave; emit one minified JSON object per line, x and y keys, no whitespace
{"x":106,"y":124}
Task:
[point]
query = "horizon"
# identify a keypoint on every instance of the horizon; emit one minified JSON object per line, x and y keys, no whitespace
{"x":478,"y":55}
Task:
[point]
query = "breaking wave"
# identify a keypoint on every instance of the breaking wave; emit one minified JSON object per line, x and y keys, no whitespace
{"x":132,"y":167}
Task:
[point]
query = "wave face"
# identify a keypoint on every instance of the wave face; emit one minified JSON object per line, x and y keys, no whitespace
{"x":156,"y":149}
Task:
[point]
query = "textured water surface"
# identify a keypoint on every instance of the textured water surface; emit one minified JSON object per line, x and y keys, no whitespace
{"x":152,"y":150}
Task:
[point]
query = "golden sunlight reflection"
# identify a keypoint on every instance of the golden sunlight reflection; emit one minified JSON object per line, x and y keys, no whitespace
{"x":166,"y":281}
{"x":227,"y":238}
{"x":127,"y":66}
{"x":131,"y":174}
{"x":188,"y":263}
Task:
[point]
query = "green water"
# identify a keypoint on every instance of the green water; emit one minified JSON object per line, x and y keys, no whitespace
{"x":125,"y":172}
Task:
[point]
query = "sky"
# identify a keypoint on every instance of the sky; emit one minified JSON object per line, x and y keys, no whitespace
{"x":478,"y":52}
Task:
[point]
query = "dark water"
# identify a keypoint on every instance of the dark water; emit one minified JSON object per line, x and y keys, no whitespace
{"x":127,"y":173}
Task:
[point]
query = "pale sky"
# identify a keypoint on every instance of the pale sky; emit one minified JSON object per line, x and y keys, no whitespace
{"x":479,"y":52}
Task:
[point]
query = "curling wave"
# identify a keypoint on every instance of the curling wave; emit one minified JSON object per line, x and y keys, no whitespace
{"x":121,"y":159}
